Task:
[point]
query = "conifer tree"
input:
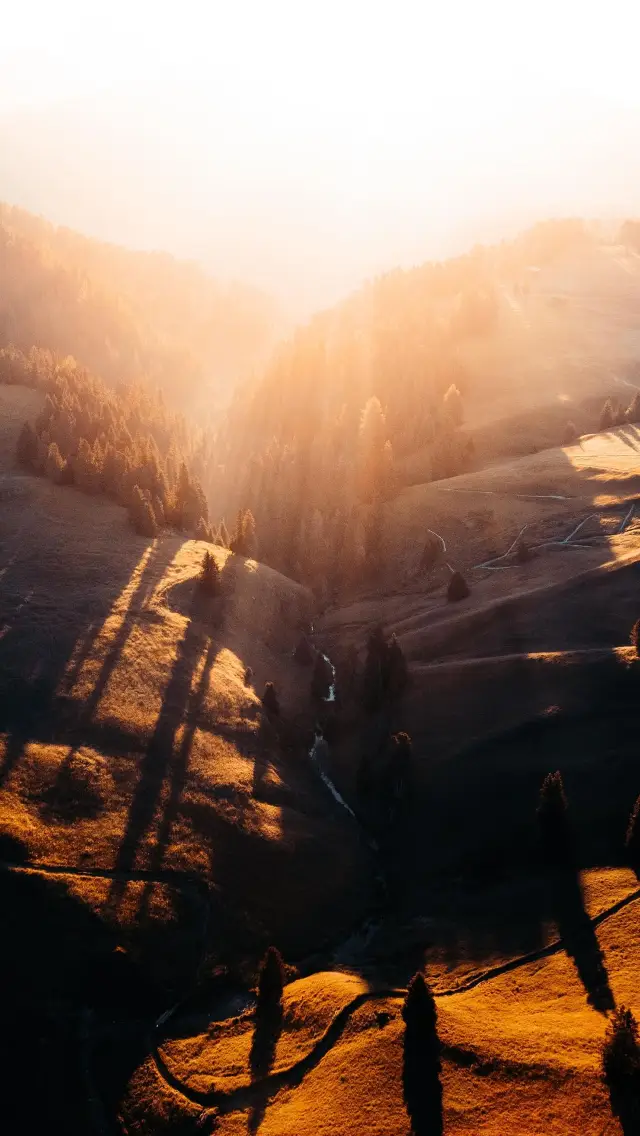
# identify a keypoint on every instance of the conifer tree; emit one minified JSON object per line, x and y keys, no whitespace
{"x":635,"y":638}
{"x":457,"y":588}
{"x":270,"y":983}
{"x":55,"y":466}
{"x":270,"y":699}
{"x":552,"y":817}
{"x":210,"y":575}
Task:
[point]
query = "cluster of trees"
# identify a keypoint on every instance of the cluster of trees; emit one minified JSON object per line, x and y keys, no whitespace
{"x":127,"y":315}
{"x":123,"y":444}
{"x":613,"y":412}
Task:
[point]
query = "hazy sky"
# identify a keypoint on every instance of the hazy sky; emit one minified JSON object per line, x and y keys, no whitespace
{"x":304,"y":145}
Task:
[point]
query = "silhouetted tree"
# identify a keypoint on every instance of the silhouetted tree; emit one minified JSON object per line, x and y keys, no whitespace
{"x":523,"y":552}
{"x":375,"y":670}
{"x":457,"y":588}
{"x":632,"y":838}
{"x":552,"y":817}
{"x":421,"y":1064}
{"x":210,"y":575}
{"x":270,"y":983}
{"x":570,"y":435}
{"x":635,"y":638}
{"x":621,"y":1068}
{"x":270,"y":699}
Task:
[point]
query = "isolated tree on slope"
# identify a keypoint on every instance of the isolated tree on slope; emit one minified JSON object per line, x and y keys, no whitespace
{"x":210,"y":575}
{"x":270,"y":983}
{"x":552,"y":816}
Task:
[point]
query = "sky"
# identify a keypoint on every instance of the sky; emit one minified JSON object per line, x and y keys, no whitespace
{"x":303,"y":146}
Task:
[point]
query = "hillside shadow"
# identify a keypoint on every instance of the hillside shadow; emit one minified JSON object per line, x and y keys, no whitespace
{"x":47,"y":644}
{"x":60,"y":965}
{"x":163,"y":768}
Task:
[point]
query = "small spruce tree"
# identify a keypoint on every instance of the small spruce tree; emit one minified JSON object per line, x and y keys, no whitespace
{"x":270,"y":699}
{"x":457,"y":588}
{"x":270,"y":983}
{"x":552,"y":816}
{"x":620,"y":1050}
{"x":635,"y":638}
{"x":570,"y":436}
{"x":210,"y":575}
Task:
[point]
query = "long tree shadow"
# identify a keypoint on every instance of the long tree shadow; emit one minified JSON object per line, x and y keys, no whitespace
{"x":156,"y":761}
{"x":579,"y":937}
{"x":180,"y":766}
{"x":46,"y":645}
{"x":268,"y":1027}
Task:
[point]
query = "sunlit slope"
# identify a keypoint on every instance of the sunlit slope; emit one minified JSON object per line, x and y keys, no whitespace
{"x":132,"y":738}
{"x":474,"y":519}
{"x":521,"y":1049}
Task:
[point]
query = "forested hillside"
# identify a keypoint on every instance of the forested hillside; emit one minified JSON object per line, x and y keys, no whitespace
{"x":121,"y":443}
{"x":358,"y":390}
{"x":128,"y":315}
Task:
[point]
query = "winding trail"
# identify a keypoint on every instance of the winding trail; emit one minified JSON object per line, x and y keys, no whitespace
{"x":246,"y":1095}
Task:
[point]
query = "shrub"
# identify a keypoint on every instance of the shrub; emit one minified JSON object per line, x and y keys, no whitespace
{"x":632,"y":839}
{"x":270,"y":699}
{"x":552,"y":815}
{"x":270,"y":982}
{"x":210,"y":575}
{"x":457,"y":588}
